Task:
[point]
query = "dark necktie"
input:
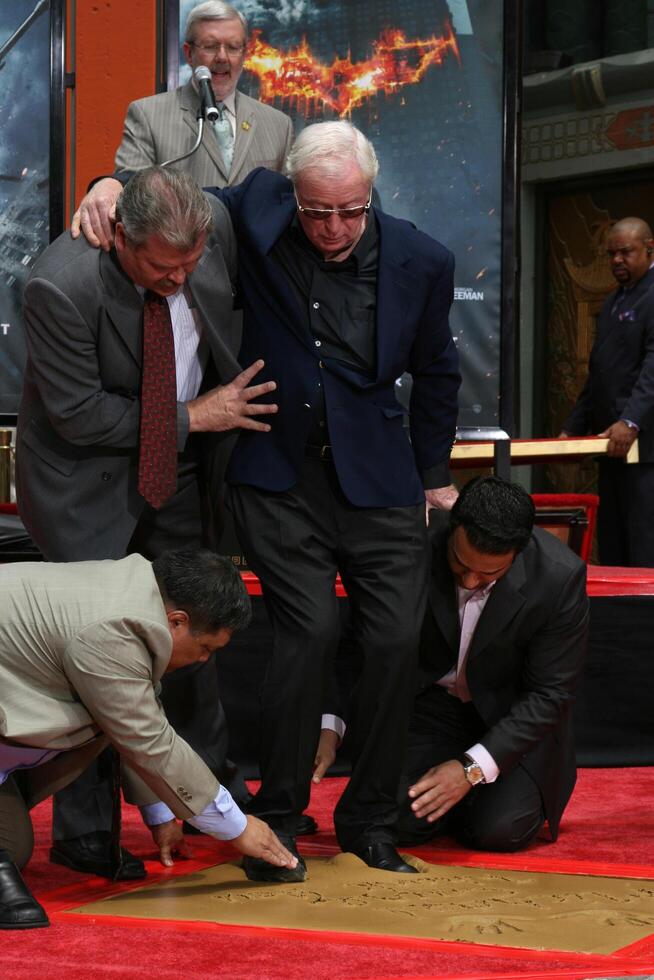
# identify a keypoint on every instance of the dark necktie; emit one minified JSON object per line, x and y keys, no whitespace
{"x":158,"y":437}
{"x":619,"y":300}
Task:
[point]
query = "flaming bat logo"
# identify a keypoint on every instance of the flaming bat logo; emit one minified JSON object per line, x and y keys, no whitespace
{"x":298,"y":77}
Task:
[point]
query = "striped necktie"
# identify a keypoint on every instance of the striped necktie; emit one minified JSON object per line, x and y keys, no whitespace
{"x":223,"y":130}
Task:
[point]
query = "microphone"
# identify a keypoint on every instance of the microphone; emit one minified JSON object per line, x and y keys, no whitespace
{"x":202,"y":76}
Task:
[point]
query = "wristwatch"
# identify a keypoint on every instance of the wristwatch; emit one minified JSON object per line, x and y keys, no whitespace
{"x":472,"y":770}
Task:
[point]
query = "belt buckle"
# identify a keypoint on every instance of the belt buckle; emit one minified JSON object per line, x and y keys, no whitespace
{"x":324,"y":452}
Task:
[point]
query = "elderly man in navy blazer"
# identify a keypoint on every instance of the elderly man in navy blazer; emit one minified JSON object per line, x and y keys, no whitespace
{"x":339,"y":299}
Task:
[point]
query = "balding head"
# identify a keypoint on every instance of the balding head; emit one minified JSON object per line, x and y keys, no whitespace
{"x":630,"y":247}
{"x":636,"y":226}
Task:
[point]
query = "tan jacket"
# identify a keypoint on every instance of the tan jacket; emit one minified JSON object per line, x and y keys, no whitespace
{"x":82,"y":646}
{"x":162,"y":127}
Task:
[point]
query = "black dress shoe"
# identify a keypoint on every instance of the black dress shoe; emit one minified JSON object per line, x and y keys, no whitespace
{"x":384,"y":857}
{"x":256,"y":869}
{"x":18,"y":907}
{"x":91,"y":853}
{"x":305,"y":826}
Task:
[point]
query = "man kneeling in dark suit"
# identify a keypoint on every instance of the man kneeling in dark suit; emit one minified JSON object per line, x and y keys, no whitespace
{"x":490,"y":754}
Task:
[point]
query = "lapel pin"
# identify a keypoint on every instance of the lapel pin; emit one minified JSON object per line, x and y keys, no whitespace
{"x":245,"y":126}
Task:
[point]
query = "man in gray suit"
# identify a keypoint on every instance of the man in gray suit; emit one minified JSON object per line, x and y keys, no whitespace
{"x":82,"y":650}
{"x":80,"y":466}
{"x":163,"y":127}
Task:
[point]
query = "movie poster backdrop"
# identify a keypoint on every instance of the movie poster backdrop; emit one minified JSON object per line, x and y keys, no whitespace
{"x":424,"y":81}
{"x":25,"y":66}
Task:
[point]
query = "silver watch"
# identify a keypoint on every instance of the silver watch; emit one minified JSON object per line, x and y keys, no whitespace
{"x":472,"y":770}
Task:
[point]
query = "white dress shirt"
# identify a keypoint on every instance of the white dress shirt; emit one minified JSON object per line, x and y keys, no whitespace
{"x":471,"y":604}
{"x":191,"y":349}
{"x":221,"y":818}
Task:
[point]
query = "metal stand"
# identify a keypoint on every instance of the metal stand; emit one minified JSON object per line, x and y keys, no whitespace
{"x":501,"y":446}
{"x":190,"y":153}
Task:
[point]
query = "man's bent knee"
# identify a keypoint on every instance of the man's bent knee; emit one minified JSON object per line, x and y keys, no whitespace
{"x":502,"y":833}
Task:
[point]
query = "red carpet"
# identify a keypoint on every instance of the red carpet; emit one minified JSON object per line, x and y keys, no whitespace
{"x":608,"y":829}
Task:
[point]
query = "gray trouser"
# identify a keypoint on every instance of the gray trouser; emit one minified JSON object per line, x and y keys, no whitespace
{"x":16,"y":833}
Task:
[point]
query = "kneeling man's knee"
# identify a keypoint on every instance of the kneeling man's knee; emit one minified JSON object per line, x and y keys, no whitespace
{"x":502,"y":832}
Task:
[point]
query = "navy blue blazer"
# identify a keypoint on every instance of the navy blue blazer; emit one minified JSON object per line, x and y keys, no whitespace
{"x":620,"y":383}
{"x":376,"y":464}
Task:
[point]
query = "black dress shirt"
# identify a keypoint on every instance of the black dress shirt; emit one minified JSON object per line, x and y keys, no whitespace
{"x":339,"y":301}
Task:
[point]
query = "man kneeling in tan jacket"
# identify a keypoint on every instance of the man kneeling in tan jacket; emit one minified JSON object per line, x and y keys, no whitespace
{"x":82,"y":649}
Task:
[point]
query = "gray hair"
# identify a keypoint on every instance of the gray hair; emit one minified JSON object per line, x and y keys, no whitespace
{"x":325,"y":146}
{"x":212,"y":10}
{"x":166,"y":203}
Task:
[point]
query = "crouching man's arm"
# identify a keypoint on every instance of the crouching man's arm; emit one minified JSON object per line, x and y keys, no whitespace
{"x":222,"y":819}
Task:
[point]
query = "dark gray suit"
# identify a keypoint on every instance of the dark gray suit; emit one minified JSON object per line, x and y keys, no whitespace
{"x":620,"y":385}
{"x":78,"y":423}
{"x":523,"y":662}
{"x":77,"y":450}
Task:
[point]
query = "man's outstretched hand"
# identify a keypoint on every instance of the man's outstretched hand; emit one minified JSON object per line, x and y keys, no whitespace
{"x":170,"y":840}
{"x":230,"y":406}
{"x":96,"y":214}
{"x":325,"y":753}
{"x":259,"y":841}
{"x":439,"y":790}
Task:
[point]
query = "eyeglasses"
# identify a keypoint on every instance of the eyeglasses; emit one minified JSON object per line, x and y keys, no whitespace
{"x":231,"y":50}
{"x":322,"y":214}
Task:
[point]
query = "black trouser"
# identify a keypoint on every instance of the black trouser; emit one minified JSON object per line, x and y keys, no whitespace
{"x":625,"y":521}
{"x":190,"y":696}
{"x":502,"y":816}
{"x":296,"y":541}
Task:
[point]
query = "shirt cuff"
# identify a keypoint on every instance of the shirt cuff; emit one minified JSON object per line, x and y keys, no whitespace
{"x":334,"y":724}
{"x":632,"y":425}
{"x":221,"y":818}
{"x":437,"y":476}
{"x":155,"y":813}
{"x":485,"y":761}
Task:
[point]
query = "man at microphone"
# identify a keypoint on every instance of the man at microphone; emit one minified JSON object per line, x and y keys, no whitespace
{"x":240,"y":133}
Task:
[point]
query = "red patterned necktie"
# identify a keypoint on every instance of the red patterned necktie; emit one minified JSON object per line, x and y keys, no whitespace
{"x":158,"y":437}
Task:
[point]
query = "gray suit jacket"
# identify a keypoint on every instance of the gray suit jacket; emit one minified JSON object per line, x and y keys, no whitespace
{"x":162,"y":127}
{"x":78,"y":422}
{"x":81,"y":648}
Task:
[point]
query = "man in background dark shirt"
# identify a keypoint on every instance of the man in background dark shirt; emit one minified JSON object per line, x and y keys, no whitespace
{"x":617,"y":400}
